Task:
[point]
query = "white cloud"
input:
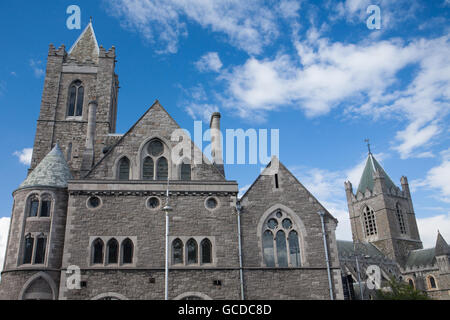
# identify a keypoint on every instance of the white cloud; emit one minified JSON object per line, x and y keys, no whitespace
{"x":361,"y":79}
{"x":201,"y":111}
{"x":249,"y":25}
{"x":4,"y":228}
{"x":209,"y":62}
{"x":428,"y":228}
{"x":24,"y":155}
{"x":37,"y":67}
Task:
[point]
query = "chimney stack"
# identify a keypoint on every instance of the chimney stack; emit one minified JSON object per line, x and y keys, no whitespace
{"x":216,"y":142}
{"x":88,"y":154}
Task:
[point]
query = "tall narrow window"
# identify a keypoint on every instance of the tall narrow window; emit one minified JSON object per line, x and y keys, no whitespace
{"x":192,"y":255}
{"x":185,"y":171}
{"x":276,"y":180}
{"x":147,"y":169}
{"x":206,"y":248}
{"x":162,"y":169}
{"x":113,"y":251}
{"x":98,"y":251}
{"x":124,"y":169}
{"x":39,"y":256}
{"x":401,"y":219}
{"x":177,"y":251}
{"x":432,"y":282}
{"x":294,"y":249}
{"x":127,"y":249}
{"x":281,"y":249}
{"x":369,"y":221}
{"x":45,"y":206}
{"x":76,"y":96}
{"x":28,"y":249}
{"x":268,"y":251}
{"x":34,"y":206}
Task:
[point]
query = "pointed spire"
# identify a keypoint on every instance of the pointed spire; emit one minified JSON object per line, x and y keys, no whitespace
{"x":441,"y":248}
{"x":86,"y":46}
{"x":367,"y":179}
{"x":52,"y":171}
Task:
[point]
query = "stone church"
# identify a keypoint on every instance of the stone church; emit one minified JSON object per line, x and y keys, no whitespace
{"x":88,"y":221}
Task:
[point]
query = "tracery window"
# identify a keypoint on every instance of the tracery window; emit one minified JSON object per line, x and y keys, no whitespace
{"x":155,"y":165}
{"x":280,"y":241}
{"x":192,"y":251}
{"x":39,"y":206}
{"x":76,"y":96}
{"x":370,"y":224}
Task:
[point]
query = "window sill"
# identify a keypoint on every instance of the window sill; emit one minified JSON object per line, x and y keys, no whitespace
{"x":38,"y":218}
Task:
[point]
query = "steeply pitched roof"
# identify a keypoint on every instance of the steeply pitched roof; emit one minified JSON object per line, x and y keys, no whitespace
{"x":367,"y":180}
{"x":86,"y":46}
{"x":347,"y":249}
{"x":441,"y":246}
{"x":52,"y":171}
{"x":422,"y":257}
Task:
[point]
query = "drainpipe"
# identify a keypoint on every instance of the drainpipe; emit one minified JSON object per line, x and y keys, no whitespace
{"x":241,"y":277}
{"x":330,"y":285}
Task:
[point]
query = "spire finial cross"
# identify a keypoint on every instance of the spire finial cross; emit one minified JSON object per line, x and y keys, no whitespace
{"x":368,"y":145}
{"x":90,"y":19}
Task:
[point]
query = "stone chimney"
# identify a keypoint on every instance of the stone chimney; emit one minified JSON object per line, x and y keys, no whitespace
{"x":88,"y":154}
{"x":216,"y":142}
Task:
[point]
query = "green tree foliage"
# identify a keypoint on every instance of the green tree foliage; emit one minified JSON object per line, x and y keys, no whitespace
{"x":400,"y":290}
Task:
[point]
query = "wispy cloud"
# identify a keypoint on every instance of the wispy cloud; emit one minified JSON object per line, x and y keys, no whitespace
{"x":24,"y":155}
{"x":209,"y":62}
{"x":37,"y":67}
{"x":2,"y":87}
{"x":248,"y":25}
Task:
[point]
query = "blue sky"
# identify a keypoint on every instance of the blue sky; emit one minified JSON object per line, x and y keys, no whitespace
{"x":312,"y":69}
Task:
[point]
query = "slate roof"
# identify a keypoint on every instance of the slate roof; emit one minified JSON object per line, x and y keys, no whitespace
{"x":346,"y":249}
{"x":52,"y":171}
{"x":421,"y":257}
{"x":441,"y":246}
{"x":367,"y":181}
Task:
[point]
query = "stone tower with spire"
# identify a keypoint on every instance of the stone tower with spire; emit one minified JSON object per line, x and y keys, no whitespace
{"x":382,"y":214}
{"x":79,"y":103}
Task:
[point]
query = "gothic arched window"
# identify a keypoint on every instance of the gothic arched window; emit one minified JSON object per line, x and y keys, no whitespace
{"x":112,"y":248}
{"x":206,"y":251}
{"x":185,"y":171}
{"x":280,"y":241}
{"x":370,"y":224}
{"x":39,"y":255}
{"x":177,"y":251}
{"x":124,"y":169}
{"x":46,"y":203}
{"x":162,"y":169}
{"x":431,"y":282}
{"x":28,"y":249}
{"x":76,"y":96}
{"x":192,"y":251}
{"x":400,"y":218}
{"x":33,"y":207}
{"x":127,"y":251}
{"x":147,"y":169}
{"x":155,"y":165}
{"x":97,"y":247}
